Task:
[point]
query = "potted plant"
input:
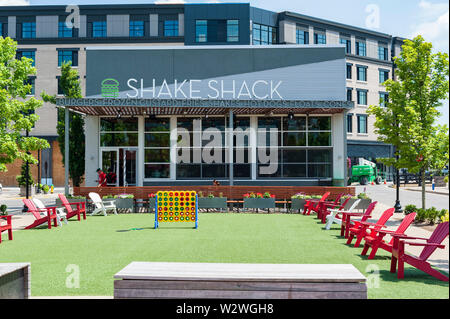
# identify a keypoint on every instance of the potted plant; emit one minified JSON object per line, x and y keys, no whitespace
{"x":212,"y":202}
{"x":71,"y":199}
{"x":23,"y":179}
{"x":351,"y":201}
{"x":298,"y":201}
{"x":45,"y":189}
{"x":151,"y":201}
{"x":365,"y":201}
{"x":3,"y":209}
{"x":259,"y":200}
{"x":125,"y":202}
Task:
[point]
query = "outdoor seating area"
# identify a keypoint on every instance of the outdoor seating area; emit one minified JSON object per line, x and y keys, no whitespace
{"x":282,"y":232}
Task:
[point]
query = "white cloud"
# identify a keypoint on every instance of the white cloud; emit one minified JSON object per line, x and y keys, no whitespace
{"x":14,"y":2}
{"x":433,"y":24}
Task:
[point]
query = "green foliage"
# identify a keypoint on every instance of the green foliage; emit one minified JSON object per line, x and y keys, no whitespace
{"x":431,"y":215}
{"x":211,"y":195}
{"x":70,"y":85}
{"x":410,"y":209}
{"x":17,"y":111}
{"x":408,"y":120}
{"x":23,"y":177}
{"x":46,"y":188}
{"x":124,"y":196}
{"x":363,"y":196}
{"x":3,"y":209}
{"x":446,"y":179}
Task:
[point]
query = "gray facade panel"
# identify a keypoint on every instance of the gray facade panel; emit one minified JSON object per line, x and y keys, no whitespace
{"x":12,"y":26}
{"x":46,"y":26}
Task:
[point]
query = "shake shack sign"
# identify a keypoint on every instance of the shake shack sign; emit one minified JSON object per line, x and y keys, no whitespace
{"x":193,"y":89}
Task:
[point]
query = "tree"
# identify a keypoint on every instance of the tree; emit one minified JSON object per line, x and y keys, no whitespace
{"x":71,"y":88}
{"x":25,"y":177}
{"x":17,"y":111}
{"x":408,"y":120}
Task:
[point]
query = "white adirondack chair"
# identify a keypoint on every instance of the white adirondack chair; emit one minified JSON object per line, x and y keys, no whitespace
{"x":102,"y":206}
{"x":332,"y":218}
{"x":60,"y":212}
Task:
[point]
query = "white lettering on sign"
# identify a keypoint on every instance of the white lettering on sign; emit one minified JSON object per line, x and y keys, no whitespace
{"x":212,"y":89}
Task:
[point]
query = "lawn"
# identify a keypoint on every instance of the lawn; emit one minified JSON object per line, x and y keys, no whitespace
{"x":101,"y":246}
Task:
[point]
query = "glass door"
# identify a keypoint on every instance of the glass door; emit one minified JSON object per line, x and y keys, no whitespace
{"x":110,"y":166}
{"x":127,"y":167}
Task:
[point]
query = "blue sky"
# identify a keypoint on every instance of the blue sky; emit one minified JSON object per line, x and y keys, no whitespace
{"x":405,"y":18}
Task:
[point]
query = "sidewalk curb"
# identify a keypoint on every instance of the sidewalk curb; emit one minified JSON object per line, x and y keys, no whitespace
{"x":429,"y":192}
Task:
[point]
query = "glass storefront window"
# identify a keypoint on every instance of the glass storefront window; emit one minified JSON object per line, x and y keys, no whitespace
{"x":112,"y":124}
{"x":157,"y":147}
{"x":118,"y":139}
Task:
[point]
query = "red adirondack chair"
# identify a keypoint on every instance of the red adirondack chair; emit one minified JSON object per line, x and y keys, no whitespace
{"x":327,"y":206}
{"x":362,"y":229}
{"x":6,"y":227}
{"x":314,"y":204}
{"x":332,"y":204}
{"x":376,"y":240}
{"x":347,"y":222}
{"x":81,"y":208}
{"x":399,"y":256}
{"x":42,"y":216}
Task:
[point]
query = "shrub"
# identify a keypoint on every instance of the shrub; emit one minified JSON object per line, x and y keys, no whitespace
{"x":446,"y":179}
{"x":108,"y":197}
{"x":421,"y":215}
{"x":300,"y":196}
{"x":22,"y":178}
{"x":124,"y":196}
{"x":200,"y":194}
{"x":46,"y":188}
{"x":444,"y":216}
{"x":220,"y":195}
{"x":3,"y":209}
{"x":410,"y":209}
{"x":211,"y":195}
{"x":349,"y":196}
{"x":363,"y":196}
{"x":432,"y":215}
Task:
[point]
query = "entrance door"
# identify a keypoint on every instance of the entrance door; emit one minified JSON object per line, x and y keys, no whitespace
{"x":110,"y":165}
{"x":127,"y":167}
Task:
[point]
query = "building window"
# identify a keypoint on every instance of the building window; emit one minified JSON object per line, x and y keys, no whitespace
{"x":201,"y":31}
{"x":320,"y":38}
{"x":348,"y":45}
{"x":302,"y":36}
{"x":361,"y":48}
{"x":349,"y":95}
{"x":65,"y":56}
{"x":3,"y":29}
{"x":64,"y":31}
{"x":384,"y":98}
{"x":362,"y":123}
{"x":383,"y":53}
{"x":384,"y":76}
{"x":171,"y":28}
{"x":27,"y":54}
{"x":99,"y":29}
{"x":137,"y":29}
{"x":116,"y":132}
{"x":29,"y":30}
{"x":361,"y":73}
{"x":349,"y":71}
{"x":264,"y":35}
{"x":157,"y":148}
{"x":362,"y":97}
{"x":349,"y":123}
{"x":232,"y":30}
{"x":30,"y":81}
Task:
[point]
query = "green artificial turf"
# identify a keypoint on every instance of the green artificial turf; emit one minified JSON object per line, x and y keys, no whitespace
{"x":101,"y":246}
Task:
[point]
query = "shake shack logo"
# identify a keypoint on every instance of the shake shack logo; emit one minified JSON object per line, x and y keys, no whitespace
{"x":195,"y":89}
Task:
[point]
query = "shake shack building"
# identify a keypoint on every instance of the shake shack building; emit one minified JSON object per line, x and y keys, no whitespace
{"x":243,"y":115}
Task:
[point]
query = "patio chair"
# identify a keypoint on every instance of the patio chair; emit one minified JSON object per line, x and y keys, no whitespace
{"x":6,"y":227}
{"x":41,"y":216}
{"x":362,"y":229}
{"x":60,"y":213}
{"x":314,"y":204}
{"x":81,"y":208}
{"x":347,"y":222}
{"x":375,"y":239}
{"x":334,"y":215}
{"x":102,"y":206}
{"x":326,"y":207}
{"x":400,"y":257}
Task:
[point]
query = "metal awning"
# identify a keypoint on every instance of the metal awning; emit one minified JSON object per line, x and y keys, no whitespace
{"x":136,"y":107}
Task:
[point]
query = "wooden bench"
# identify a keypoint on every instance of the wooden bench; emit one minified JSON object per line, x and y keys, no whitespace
{"x":15,"y":281}
{"x":155,"y":280}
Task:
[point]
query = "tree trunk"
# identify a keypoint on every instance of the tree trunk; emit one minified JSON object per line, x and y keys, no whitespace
{"x":423,"y":188}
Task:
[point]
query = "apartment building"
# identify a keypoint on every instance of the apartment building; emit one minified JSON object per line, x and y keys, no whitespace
{"x":43,"y":35}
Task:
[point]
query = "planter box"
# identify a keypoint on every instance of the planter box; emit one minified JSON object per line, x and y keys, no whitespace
{"x":70,"y":200}
{"x":15,"y":281}
{"x":216,"y":202}
{"x":124,"y":204}
{"x":259,"y":203}
{"x":31,"y":191}
{"x":298,"y":204}
{"x":363,"y":204}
